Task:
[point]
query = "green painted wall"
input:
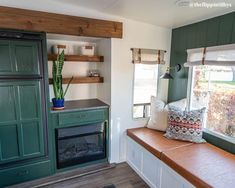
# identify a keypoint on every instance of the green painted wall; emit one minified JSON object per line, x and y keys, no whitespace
{"x":212,"y":32}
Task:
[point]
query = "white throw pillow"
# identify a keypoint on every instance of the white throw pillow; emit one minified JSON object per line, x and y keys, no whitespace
{"x":181,"y":104}
{"x":158,"y":115}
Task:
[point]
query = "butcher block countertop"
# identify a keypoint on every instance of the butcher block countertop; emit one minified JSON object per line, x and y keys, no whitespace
{"x":203,"y":165}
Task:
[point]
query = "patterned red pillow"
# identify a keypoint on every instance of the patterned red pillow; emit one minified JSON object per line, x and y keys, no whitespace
{"x":185,"y":125}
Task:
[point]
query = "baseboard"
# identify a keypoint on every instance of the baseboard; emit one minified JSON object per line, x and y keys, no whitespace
{"x":68,"y":175}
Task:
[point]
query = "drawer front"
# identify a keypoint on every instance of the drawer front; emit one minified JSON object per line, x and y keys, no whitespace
{"x":75,"y":118}
{"x":24,"y":173}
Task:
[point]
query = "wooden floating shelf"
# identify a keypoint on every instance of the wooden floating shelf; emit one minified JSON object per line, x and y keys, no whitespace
{"x":84,"y":58}
{"x":81,"y":80}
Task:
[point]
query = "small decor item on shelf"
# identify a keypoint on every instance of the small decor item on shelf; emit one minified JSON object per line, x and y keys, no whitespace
{"x":57,"y":49}
{"x":57,"y":67}
{"x":88,"y":50}
{"x":93,"y":73}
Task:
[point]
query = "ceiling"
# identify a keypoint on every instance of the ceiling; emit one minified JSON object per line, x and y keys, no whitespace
{"x":164,"y":13}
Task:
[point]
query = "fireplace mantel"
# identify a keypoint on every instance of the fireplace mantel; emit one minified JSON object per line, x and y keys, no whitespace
{"x":78,"y":105}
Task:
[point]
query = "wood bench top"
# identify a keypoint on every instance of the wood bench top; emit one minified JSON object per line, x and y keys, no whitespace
{"x":154,"y":141}
{"x":204,"y":165}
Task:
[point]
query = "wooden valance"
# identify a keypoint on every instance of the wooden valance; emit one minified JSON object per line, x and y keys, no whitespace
{"x":14,"y":18}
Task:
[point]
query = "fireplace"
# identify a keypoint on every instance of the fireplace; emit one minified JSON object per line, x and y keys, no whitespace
{"x":80,"y":144}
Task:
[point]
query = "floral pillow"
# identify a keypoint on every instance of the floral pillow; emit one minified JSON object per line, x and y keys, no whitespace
{"x":185,"y":125}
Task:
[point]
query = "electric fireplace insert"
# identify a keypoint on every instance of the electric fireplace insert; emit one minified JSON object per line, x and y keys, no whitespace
{"x":80,"y":144}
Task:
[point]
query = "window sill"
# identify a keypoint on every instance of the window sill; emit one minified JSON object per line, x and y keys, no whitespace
{"x":223,"y":142}
{"x":141,"y":119}
{"x":224,"y":137}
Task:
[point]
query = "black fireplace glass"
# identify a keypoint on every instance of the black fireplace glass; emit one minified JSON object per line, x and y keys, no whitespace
{"x":80,"y":144}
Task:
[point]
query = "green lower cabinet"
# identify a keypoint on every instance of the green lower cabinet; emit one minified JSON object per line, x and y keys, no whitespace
{"x":79,"y":118}
{"x":20,"y":174}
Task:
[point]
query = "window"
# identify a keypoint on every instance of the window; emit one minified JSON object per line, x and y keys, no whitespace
{"x":146,"y":63}
{"x":145,"y":86}
{"x":213,"y":86}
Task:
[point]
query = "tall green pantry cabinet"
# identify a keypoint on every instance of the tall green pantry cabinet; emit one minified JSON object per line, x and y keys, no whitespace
{"x":24,"y":143}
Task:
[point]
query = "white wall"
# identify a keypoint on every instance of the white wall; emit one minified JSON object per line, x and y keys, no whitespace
{"x":136,"y":34}
{"x":140,"y":35}
{"x":73,"y":68}
{"x":104,"y":89}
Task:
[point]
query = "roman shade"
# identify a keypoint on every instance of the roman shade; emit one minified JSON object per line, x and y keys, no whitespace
{"x":216,"y":55}
{"x":148,"y":56}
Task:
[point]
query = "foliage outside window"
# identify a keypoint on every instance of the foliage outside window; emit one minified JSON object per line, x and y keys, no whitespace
{"x":145,"y":86}
{"x":213,"y":87}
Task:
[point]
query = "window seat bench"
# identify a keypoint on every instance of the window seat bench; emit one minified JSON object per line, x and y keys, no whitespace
{"x":167,"y":163}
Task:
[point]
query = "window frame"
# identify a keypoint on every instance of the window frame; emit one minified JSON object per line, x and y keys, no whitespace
{"x":145,"y":105}
{"x":189,"y":92}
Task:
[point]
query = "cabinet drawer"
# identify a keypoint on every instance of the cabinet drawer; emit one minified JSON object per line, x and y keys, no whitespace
{"x":24,"y":173}
{"x":75,"y":118}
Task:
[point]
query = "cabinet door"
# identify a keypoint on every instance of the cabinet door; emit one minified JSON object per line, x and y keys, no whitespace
{"x":21,"y":123}
{"x":151,"y":169}
{"x":30,"y":116}
{"x":19,"y":58}
{"x":26,"y":57}
{"x":134,"y":154}
{"x":6,"y":61}
{"x":169,"y":179}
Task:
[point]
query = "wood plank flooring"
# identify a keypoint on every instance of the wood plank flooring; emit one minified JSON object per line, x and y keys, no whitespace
{"x":121,"y":176}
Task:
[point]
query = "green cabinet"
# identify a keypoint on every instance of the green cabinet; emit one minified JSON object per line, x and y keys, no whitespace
{"x":21,"y":127}
{"x":19,"y":58}
{"x":24,"y":144}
